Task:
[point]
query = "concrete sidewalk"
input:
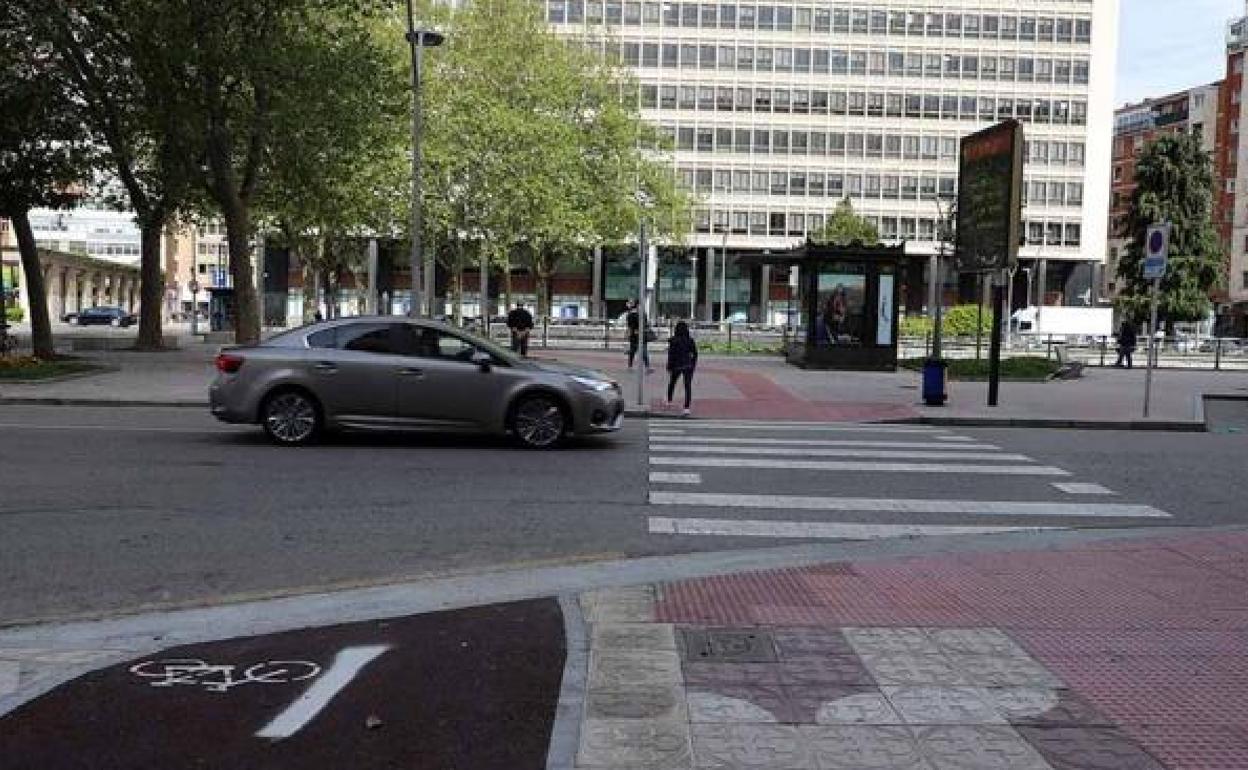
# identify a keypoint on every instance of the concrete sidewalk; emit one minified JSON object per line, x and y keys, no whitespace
{"x":733,"y":388}
{"x":1070,"y":651}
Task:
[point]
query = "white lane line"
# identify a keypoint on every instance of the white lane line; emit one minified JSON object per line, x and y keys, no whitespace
{"x":817,"y":529}
{"x":1076,"y":488}
{"x":754,"y":441}
{"x":884,"y":505}
{"x":953,"y":438}
{"x":851,"y":465}
{"x":800,"y":427}
{"x":878,"y":454}
{"x":658,"y":477}
{"x":111,"y":428}
{"x":347,"y":663}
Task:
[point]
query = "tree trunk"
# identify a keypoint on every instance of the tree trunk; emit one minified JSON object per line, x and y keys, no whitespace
{"x":507,"y":304}
{"x":457,"y":288}
{"x":246,"y":304}
{"x":309,"y":291}
{"x":543,"y":292}
{"x":151,"y":288}
{"x":36,"y":289}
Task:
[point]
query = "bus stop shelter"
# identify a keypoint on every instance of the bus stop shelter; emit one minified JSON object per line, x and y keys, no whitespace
{"x":849,"y":296}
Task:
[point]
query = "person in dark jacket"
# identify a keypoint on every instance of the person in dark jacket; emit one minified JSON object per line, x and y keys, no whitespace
{"x":682,"y":359}
{"x":1126,"y":343}
{"x":520,"y":322}
{"x":634,"y":338}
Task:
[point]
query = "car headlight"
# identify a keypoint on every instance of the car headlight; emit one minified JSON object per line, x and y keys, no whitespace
{"x":593,"y":383}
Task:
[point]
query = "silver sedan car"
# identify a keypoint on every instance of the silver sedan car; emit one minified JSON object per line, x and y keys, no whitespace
{"x":406,"y":374}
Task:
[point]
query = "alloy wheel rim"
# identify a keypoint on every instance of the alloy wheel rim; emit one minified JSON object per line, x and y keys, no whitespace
{"x":539,"y":422}
{"x":291,"y":418}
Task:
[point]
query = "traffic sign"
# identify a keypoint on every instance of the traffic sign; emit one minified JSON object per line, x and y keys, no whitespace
{"x":1156,"y":251}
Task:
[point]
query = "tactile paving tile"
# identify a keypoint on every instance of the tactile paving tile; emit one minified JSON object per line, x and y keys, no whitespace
{"x":1082,"y":748}
{"x":1193,"y":746}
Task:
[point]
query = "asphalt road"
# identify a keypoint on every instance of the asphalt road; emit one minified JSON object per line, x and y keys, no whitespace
{"x":115,"y":510}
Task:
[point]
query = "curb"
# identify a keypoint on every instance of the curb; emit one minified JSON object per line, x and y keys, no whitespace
{"x":1165,"y":426}
{"x":100,"y":402}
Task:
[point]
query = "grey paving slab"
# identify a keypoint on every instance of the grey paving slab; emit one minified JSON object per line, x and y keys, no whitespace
{"x":631,"y":637}
{"x":649,"y":702}
{"x":977,"y":641}
{"x":810,"y":642}
{"x":613,"y":669}
{"x":902,"y":669}
{"x":765,"y":747}
{"x":864,"y":747}
{"x":929,"y":705}
{"x":891,"y":641}
{"x":630,"y":604}
{"x":1045,"y":707}
{"x":967,"y":747}
{"x":868,"y":707}
{"x":993,"y":671}
{"x":650,"y":743}
{"x":731,"y":673}
{"x":758,"y":704}
{"x":1081,"y":748}
{"x":833,"y":669}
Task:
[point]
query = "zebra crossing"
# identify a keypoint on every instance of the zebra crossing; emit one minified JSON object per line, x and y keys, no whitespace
{"x":853,"y":481}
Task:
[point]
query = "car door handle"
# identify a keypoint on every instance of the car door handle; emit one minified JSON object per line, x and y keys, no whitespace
{"x":411,"y":372}
{"x":326,"y":367}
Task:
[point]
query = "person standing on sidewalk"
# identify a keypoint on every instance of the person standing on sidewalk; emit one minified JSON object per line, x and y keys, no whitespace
{"x":682,"y":359}
{"x":1126,"y":343}
{"x":634,"y":337}
{"x":520,"y":322}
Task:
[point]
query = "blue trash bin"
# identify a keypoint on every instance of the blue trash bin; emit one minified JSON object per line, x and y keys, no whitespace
{"x":934,"y":371}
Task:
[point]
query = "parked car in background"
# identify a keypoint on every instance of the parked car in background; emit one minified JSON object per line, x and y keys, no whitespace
{"x":105,"y":316}
{"x":406,"y":374}
{"x":70,"y":318}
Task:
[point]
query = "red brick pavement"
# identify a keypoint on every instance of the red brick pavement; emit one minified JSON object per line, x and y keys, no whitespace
{"x":1152,"y":633}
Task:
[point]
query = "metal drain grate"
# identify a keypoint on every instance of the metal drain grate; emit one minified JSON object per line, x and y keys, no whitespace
{"x":724,"y":645}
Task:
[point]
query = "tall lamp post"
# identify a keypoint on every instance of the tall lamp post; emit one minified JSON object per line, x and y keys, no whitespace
{"x":419,"y":39}
{"x":693,"y":285}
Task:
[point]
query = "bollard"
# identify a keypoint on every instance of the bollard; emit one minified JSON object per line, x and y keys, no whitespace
{"x":1217,"y":354}
{"x":545,"y":326}
{"x":606,"y":333}
{"x":1104,"y":346}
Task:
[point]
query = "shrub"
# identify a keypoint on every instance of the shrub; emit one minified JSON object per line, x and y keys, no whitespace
{"x":14,"y":314}
{"x":959,"y":321}
{"x":915,"y":326}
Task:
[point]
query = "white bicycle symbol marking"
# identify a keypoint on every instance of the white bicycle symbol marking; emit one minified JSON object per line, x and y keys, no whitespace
{"x":169,"y":672}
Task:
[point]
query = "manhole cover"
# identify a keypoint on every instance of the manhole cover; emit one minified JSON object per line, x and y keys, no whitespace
{"x":728,"y":645}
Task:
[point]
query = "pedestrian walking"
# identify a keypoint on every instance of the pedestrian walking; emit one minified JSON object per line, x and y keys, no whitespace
{"x":682,"y":359}
{"x":634,"y":337}
{"x":520,"y":322}
{"x":1127,"y":342}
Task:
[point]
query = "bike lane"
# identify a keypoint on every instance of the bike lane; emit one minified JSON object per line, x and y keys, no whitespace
{"x":474,"y":688}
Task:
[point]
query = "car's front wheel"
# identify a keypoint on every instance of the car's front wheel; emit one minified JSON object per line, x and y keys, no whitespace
{"x":539,"y":421}
{"x":291,"y":418}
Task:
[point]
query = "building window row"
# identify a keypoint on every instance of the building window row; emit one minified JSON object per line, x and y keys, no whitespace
{"x":113,"y":249}
{"x":764,"y":141}
{"x":214,"y":250}
{"x":841,"y":61}
{"x":799,"y":224}
{"x":871,"y":104}
{"x":841,"y":19}
{"x":867,"y":186}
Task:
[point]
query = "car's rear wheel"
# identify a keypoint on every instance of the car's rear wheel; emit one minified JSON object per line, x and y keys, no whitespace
{"x":539,"y":421}
{"x":291,"y":418}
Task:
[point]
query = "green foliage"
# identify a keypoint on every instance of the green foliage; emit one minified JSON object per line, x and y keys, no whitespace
{"x":1020,"y":368}
{"x":915,"y":326}
{"x":845,"y":227}
{"x":741,"y":348}
{"x":36,"y":368}
{"x":530,"y":149}
{"x":14,"y":315}
{"x":959,"y":321}
{"x":1176,"y":184}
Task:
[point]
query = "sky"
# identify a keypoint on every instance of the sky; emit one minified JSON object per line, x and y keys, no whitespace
{"x":1169,"y":45}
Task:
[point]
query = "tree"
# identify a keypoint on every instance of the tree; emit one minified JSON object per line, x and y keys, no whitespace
{"x":124,"y":61}
{"x":1175,"y":183}
{"x":44,"y":150}
{"x":845,"y":227}
{"x":531,"y":150}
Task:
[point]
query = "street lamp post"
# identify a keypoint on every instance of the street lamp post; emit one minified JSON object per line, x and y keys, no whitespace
{"x":693,"y":285}
{"x":723,"y":279}
{"x":418,"y":39}
{"x":193,"y":286}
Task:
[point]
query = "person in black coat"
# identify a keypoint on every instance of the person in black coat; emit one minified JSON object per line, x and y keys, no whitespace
{"x":520,"y":322}
{"x":1127,"y":342}
{"x":682,"y":359}
{"x":634,"y":338}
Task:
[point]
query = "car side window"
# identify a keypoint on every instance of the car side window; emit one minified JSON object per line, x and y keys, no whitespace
{"x":325,"y":338}
{"x":433,"y":343}
{"x":370,"y":338}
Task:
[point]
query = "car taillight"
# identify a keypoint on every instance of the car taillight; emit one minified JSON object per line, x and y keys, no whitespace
{"x":229,"y":363}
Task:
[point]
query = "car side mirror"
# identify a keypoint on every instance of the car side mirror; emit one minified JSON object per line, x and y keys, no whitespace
{"x":483,"y":360}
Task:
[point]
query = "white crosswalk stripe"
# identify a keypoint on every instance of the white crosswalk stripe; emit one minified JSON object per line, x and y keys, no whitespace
{"x":742,"y":461}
